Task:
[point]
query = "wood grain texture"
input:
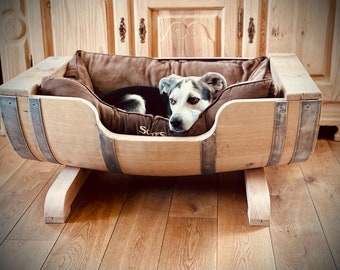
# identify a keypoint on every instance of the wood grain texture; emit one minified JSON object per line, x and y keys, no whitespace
{"x":188,"y":33}
{"x":86,"y":235}
{"x":189,"y":243}
{"x":20,"y":191}
{"x":236,"y":149}
{"x":80,"y":26}
{"x":302,"y":34}
{"x":31,"y":225}
{"x":26,"y":83}
{"x":290,"y":75}
{"x":195,"y":197}
{"x":138,"y":236}
{"x":324,"y":187}
{"x":80,"y":127}
{"x":297,"y":236}
{"x":240,"y":246}
{"x":258,"y":197}
{"x":216,"y":21}
{"x":3,"y":141}
{"x":140,"y":155}
{"x":36,"y":37}
{"x":24,"y":254}
{"x":335,"y":146}
{"x":252,"y":9}
{"x":13,"y":45}
{"x":121,"y":9}
{"x":10,"y":162}
{"x":63,"y":191}
{"x":113,"y":230}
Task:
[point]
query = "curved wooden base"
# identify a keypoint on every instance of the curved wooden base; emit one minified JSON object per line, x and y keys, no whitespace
{"x":62,"y":193}
{"x":258,"y":197}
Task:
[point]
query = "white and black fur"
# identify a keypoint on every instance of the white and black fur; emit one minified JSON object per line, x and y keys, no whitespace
{"x":189,"y":97}
{"x":139,"y":99}
{"x":132,"y":103}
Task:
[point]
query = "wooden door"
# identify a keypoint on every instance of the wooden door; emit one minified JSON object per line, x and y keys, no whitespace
{"x":21,"y":36}
{"x":78,"y":24}
{"x":187,"y":33}
{"x":309,"y":28}
{"x":201,"y":28}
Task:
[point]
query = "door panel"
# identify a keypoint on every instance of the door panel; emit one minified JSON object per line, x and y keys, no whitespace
{"x":304,"y":27}
{"x":201,"y":28}
{"x":188,"y":33}
{"x":76,"y":25}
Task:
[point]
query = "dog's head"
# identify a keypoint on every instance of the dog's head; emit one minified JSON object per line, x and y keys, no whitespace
{"x":189,"y":96}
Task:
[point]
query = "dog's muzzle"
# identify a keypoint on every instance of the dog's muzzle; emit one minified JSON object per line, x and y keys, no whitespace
{"x":176,"y":124}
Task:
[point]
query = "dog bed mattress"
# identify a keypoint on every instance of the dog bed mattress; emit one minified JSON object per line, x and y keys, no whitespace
{"x":93,"y":76}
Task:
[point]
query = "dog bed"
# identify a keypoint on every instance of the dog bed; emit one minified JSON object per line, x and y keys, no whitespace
{"x":249,"y":125}
{"x":93,"y":76}
{"x":268,"y":115}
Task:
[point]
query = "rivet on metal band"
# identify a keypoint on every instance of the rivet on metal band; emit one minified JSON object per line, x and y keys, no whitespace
{"x":39,"y":131}
{"x":10,"y":117}
{"x":307,"y":130}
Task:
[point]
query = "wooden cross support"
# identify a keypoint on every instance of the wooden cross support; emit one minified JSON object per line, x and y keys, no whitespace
{"x":258,"y":197}
{"x":65,"y":188}
{"x":62,"y":193}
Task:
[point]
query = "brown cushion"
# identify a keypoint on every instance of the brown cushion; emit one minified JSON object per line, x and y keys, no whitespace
{"x":104,"y":73}
{"x":91,"y":75}
{"x":113,"y":119}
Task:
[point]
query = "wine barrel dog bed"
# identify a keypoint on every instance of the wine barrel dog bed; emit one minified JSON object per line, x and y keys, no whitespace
{"x":59,"y":111}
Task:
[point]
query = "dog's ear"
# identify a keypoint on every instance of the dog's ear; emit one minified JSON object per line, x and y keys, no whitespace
{"x":167,"y":83}
{"x":216,"y":80}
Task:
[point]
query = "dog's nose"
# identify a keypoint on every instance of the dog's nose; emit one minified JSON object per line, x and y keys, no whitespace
{"x":176,"y":122}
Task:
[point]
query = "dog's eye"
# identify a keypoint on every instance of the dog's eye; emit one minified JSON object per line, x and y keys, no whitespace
{"x":193,"y":100}
{"x":172,"y":101}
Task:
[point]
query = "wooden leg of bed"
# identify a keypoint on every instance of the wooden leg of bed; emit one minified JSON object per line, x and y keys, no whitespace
{"x":62,"y":193}
{"x":258,"y":197}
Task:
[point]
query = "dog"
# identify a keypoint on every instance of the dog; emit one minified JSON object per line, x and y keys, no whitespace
{"x":181,"y":99}
{"x":189,"y":97}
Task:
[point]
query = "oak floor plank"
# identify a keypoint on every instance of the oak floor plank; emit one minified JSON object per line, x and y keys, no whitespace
{"x":137,"y":239}
{"x":31,"y":225}
{"x":85,"y":237}
{"x":23,"y":254}
{"x":10,"y":162}
{"x":3,"y":141}
{"x":240,"y":246}
{"x":107,"y":228}
{"x":195,"y":196}
{"x":20,"y":190}
{"x":322,"y":176}
{"x":335,"y":146}
{"x":189,"y":243}
{"x":297,"y":236}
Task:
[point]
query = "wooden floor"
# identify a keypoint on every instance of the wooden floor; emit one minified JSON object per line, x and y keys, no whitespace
{"x":130,"y":222}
